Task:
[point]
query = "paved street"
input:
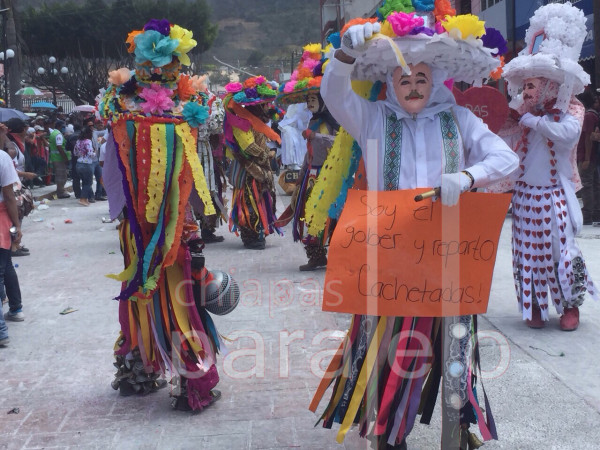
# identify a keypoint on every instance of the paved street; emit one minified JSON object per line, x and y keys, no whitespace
{"x":544,"y":385}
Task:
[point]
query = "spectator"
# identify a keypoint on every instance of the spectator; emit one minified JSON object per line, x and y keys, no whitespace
{"x":58,"y":157}
{"x":587,"y":160}
{"x":9,"y":217}
{"x":86,"y":160}
{"x":70,"y":146}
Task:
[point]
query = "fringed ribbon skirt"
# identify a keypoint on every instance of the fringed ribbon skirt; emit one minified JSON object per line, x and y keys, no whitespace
{"x":389,"y":369}
{"x":548,"y":266}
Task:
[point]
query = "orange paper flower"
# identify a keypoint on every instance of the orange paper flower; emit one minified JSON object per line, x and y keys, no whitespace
{"x":442,"y":9}
{"x":303,"y":73}
{"x":130,"y":40}
{"x":497,"y":74}
{"x":315,"y":82}
{"x":185,"y":89}
{"x":119,"y":76}
{"x":358,"y":21}
{"x":250,"y":83}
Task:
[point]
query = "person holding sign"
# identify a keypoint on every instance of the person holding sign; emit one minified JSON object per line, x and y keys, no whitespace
{"x":320,"y":134}
{"x":548,"y":266}
{"x":389,"y":368}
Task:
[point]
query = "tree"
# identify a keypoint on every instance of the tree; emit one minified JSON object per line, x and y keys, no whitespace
{"x":14,"y":65}
{"x":96,"y":29}
{"x":97,"y":33}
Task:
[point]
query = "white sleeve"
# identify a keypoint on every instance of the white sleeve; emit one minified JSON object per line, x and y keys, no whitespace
{"x":8,"y":173}
{"x":349,"y":109}
{"x":487,"y":157}
{"x":566,"y":131}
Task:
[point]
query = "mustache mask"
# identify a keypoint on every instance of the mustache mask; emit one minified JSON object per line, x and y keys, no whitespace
{"x":414,"y":95}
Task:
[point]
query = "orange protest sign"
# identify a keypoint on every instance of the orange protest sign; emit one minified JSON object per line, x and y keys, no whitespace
{"x":392,"y":256}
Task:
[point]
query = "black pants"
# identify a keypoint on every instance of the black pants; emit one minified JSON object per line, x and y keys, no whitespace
{"x":76,"y":179}
{"x":8,"y":277}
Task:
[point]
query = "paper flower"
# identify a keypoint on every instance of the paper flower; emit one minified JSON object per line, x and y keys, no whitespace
{"x":312,"y":48}
{"x":154,"y":47}
{"x":233,"y":87}
{"x":391,"y":6}
{"x":265,"y":91}
{"x":119,"y":76}
{"x":250,"y":83}
{"x":497,"y":74}
{"x":442,"y":9}
{"x":240,"y":97}
{"x":199,"y":83}
{"x":494,"y":39}
{"x":185,"y":89}
{"x":423,"y":5}
{"x":158,"y":99}
{"x":463,"y":26}
{"x":251,"y":93}
{"x":161,"y":25}
{"x":186,"y":43}
{"x":130,"y":40}
{"x":403,"y":23}
{"x":195,"y":114}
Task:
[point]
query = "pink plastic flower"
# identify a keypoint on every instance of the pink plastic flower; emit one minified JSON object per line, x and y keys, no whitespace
{"x":234,"y":87}
{"x":403,"y":23}
{"x":158,"y":99}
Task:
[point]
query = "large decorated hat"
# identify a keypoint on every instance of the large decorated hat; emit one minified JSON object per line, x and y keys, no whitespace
{"x":253,"y":91}
{"x":156,"y":88}
{"x":553,"y":44}
{"x":306,"y":78}
{"x":428,"y":31}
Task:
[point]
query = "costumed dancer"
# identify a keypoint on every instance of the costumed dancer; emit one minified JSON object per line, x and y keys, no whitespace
{"x":423,"y":139}
{"x":211,"y":158}
{"x":303,"y":87}
{"x":247,"y":111}
{"x":547,"y":263}
{"x":151,"y":166}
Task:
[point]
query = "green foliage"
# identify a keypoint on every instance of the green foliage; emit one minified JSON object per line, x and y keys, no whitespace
{"x":95,"y":29}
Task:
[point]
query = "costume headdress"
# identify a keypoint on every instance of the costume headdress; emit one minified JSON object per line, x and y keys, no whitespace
{"x":430,"y":32}
{"x":553,"y":44}
{"x":306,"y":78}
{"x":253,"y":91}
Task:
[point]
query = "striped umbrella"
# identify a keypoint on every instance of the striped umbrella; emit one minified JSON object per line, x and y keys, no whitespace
{"x":29,"y":90}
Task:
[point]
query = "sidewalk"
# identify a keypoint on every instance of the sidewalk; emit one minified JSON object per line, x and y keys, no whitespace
{"x":58,"y":368}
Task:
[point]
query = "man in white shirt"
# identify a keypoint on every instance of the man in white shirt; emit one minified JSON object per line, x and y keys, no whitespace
{"x":9,"y":217}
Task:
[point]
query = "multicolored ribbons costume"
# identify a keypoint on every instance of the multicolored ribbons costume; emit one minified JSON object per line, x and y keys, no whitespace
{"x":253,"y":201}
{"x":151,"y":168}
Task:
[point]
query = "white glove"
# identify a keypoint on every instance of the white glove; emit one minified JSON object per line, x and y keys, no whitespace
{"x":530,"y":121}
{"x":454,"y":184}
{"x":354,"y":41}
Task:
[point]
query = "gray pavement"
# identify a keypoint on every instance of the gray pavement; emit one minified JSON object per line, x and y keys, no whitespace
{"x":58,"y":368}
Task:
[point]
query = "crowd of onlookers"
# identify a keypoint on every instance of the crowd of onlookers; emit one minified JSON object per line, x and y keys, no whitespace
{"x":48,"y":150}
{"x":588,"y":158}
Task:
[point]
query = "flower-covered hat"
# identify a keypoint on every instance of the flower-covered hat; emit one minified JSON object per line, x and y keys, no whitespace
{"x":155,"y":87}
{"x":306,"y":78}
{"x":553,"y":44}
{"x":430,"y":32}
{"x":253,"y":91}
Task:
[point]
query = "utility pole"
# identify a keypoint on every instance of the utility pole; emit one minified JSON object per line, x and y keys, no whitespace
{"x":597,"y":42}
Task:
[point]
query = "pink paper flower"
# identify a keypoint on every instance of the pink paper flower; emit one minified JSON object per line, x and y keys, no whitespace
{"x":403,"y":23}
{"x":234,"y":87}
{"x":260,"y":79}
{"x":158,"y":99}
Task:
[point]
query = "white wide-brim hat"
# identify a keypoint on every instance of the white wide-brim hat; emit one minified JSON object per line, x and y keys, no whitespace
{"x":464,"y":60}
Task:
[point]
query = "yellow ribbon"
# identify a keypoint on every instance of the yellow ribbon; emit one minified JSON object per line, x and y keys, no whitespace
{"x":158,"y":169}
{"x":191,"y":154}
